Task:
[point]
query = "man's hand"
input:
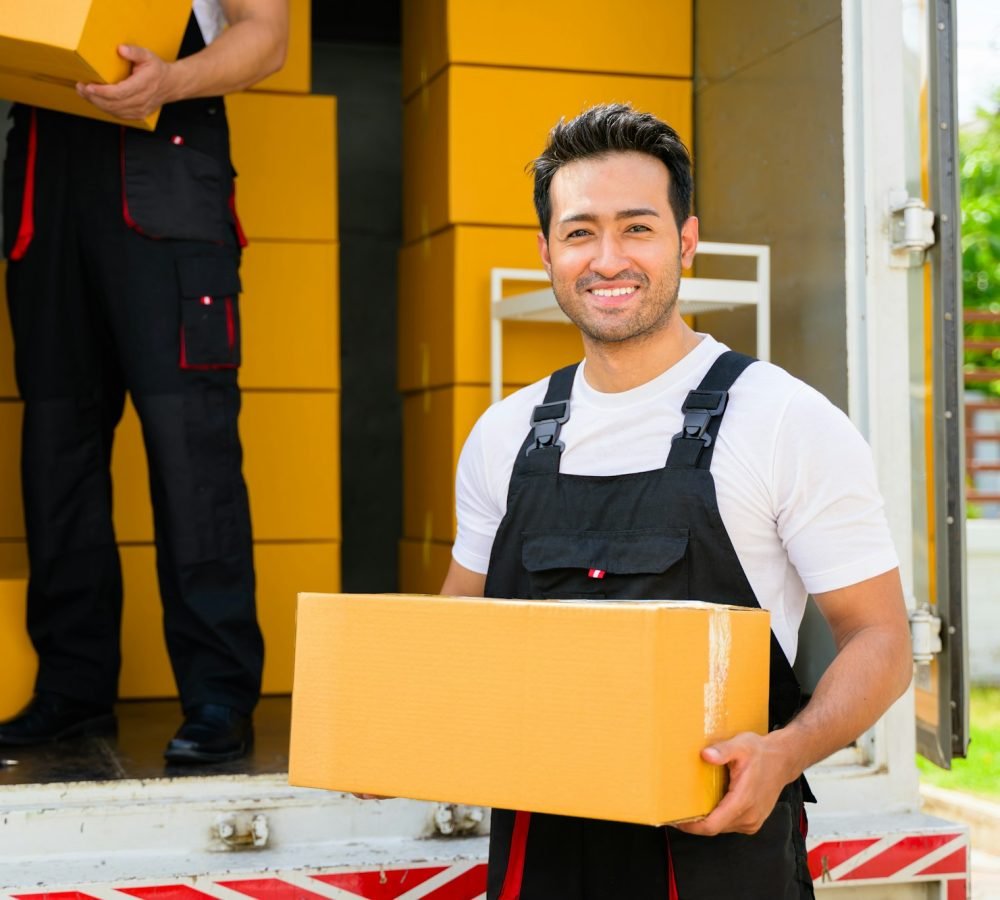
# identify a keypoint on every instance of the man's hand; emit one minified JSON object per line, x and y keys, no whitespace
{"x":145,"y":90}
{"x":756,"y":778}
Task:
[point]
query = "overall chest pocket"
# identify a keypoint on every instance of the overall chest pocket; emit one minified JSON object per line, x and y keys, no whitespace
{"x":643,"y":564}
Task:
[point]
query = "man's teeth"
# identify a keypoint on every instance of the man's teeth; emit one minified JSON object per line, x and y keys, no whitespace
{"x":612,"y":292}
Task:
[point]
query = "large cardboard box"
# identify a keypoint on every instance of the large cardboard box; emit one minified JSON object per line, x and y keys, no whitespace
{"x":595,"y":709}
{"x":520,"y":34}
{"x":47,"y":46}
{"x":469,"y":133}
{"x":444,"y":311}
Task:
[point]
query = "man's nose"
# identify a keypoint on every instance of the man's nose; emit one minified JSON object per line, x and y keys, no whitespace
{"x":609,"y":258}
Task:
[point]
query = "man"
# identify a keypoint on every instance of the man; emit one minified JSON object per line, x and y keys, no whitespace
{"x":769,"y":485}
{"x":123,"y":251}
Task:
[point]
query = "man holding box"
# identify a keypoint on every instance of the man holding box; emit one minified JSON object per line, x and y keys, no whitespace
{"x":123,"y":275}
{"x":688,"y":472}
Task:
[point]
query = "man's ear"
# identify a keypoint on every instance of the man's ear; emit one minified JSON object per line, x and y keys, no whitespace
{"x":543,"y":252}
{"x":689,"y":241}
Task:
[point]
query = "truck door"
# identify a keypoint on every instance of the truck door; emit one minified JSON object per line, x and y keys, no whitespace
{"x":935,"y":339}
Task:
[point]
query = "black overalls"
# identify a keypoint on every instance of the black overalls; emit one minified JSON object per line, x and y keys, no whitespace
{"x":123,"y":275}
{"x":653,"y":535}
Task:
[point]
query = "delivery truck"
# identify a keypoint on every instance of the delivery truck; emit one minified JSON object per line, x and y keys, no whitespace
{"x":824,"y":138}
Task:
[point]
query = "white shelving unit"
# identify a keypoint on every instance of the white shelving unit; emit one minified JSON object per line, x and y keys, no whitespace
{"x":696,"y":295}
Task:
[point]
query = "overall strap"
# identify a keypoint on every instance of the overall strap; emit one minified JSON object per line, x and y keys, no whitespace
{"x":693,"y":446}
{"x":542,"y":448}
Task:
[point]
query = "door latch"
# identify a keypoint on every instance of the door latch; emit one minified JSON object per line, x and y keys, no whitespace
{"x":925,"y":634}
{"x":911,"y":229}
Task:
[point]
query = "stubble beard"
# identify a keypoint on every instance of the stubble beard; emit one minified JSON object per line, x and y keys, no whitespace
{"x":618,"y":326}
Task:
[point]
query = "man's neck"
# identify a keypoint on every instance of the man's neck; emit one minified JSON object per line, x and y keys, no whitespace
{"x":613,"y":368}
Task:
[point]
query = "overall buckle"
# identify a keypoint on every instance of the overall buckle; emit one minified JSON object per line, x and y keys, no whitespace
{"x":547,"y":420}
{"x":699,"y":408}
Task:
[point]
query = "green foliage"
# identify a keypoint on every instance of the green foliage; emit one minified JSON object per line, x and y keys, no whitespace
{"x":980,"y":772}
{"x":979,"y":153}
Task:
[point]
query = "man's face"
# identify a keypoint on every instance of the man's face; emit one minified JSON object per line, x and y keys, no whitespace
{"x":614,"y":252}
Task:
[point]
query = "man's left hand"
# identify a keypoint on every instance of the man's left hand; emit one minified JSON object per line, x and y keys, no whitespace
{"x":139,"y":95}
{"x":757,"y":773}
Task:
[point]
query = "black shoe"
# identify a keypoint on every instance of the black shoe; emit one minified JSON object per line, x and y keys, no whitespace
{"x":211,"y":734}
{"x":52,"y":717}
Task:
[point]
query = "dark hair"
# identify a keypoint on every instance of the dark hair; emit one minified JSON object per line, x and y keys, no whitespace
{"x":613,"y":128}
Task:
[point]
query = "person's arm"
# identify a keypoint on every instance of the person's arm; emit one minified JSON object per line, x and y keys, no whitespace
{"x":873,"y":667}
{"x":463,"y":582}
{"x":250,"y":49}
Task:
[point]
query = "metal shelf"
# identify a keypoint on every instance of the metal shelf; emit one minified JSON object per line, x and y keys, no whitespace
{"x":695,"y":297}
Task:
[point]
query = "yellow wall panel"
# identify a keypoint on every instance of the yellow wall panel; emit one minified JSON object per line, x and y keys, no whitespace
{"x":282,"y":571}
{"x":289,"y":313}
{"x":519,"y":33}
{"x":291,"y":461}
{"x":285,"y":150}
{"x":435,"y":426}
{"x":13,"y":559}
{"x":8,"y":387}
{"x":291,"y":451}
{"x":19,"y":660}
{"x":444,"y":311}
{"x":423,"y":566}
{"x":471,"y":170}
{"x":296,"y":74}
{"x":11,"y":509}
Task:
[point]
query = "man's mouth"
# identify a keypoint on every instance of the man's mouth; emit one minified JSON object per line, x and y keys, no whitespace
{"x":614,"y":292}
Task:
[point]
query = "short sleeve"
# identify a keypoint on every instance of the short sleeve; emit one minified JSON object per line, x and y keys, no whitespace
{"x":478,"y":512}
{"x":829,"y":512}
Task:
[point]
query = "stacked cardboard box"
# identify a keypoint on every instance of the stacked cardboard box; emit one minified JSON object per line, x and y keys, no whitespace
{"x":482,"y":85}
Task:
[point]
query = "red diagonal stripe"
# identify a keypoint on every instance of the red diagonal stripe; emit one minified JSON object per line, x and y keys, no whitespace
{"x":829,"y":855}
{"x":953,"y":864}
{"x":958,"y":889}
{"x":469,"y":885}
{"x":271,"y":889}
{"x":167,"y":892}
{"x":55,"y":895}
{"x":381,"y":885}
{"x":898,"y":856}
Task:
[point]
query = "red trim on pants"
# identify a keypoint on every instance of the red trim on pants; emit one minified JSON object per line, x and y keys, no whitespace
{"x":240,"y":235}
{"x":26,"y":229}
{"x":671,"y":881}
{"x":126,"y":215}
{"x":515,"y":863}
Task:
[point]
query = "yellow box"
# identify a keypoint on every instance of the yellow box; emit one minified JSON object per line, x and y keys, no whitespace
{"x":11,"y":508}
{"x":290,"y":315}
{"x":285,"y":150}
{"x":423,"y":566}
{"x":47,"y":46}
{"x":295,"y":75}
{"x":20,"y":663}
{"x":468,"y":135}
{"x":519,"y":33}
{"x":444,"y":311}
{"x":13,"y":559}
{"x":435,"y":426}
{"x":282,"y":571}
{"x":291,"y":461}
{"x":8,"y":386}
{"x":596,"y":709}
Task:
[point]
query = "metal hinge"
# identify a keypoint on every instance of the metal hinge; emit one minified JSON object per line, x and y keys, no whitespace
{"x":240,"y":831}
{"x":911,"y":232}
{"x":925,"y":634}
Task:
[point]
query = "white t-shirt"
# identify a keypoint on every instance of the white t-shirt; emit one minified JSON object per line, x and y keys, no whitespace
{"x":795,"y":480}
{"x":211,"y":18}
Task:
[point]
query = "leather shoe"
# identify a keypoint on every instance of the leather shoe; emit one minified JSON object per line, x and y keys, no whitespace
{"x":211,"y":734}
{"x":52,"y":717}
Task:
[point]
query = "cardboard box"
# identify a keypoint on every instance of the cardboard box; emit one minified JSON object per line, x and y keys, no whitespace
{"x":444,"y":311}
{"x":284,"y":148}
{"x":519,"y":33}
{"x":468,"y":135}
{"x":47,"y":46}
{"x":596,"y":709}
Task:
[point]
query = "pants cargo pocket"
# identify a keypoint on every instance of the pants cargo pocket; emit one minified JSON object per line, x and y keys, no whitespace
{"x":210,"y":324}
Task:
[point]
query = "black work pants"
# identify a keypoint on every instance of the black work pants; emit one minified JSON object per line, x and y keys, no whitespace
{"x":99,"y":309}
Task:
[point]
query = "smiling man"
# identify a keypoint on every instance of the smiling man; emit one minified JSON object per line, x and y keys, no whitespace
{"x":768,"y":485}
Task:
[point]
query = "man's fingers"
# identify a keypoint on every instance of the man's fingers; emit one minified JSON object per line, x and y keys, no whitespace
{"x":135,"y":54}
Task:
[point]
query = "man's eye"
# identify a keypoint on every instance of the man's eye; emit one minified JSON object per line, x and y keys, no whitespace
{"x":580,"y":232}
{"x":637,"y":227}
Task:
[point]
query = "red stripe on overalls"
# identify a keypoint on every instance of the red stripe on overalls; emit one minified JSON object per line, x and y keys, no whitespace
{"x":240,"y":234}
{"x":671,"y":881}
{"x":26,"y":230}
{"x":515,"y":862}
